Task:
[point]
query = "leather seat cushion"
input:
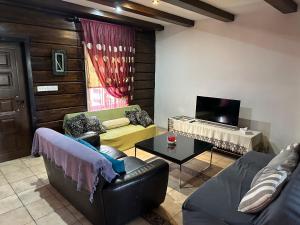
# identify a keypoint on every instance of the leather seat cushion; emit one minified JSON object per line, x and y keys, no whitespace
{"x":112,"y":152}
{"x":132,"y":163}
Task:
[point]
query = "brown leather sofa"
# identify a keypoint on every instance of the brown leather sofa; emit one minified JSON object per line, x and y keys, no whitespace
{"x":142,"y":188}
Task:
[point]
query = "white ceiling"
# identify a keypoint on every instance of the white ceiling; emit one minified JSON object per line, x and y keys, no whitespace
{"x":236,"y":7}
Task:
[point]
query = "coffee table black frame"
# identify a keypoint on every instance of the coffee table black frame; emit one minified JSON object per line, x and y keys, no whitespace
{"x":186,"y":148}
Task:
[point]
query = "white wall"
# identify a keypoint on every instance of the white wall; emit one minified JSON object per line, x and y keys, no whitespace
{"x":255,"y":59}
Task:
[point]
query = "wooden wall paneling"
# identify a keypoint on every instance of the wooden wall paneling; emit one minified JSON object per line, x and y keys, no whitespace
{"x":145,"y":57}
{"x":46,"y":102}
{"x":145,"y":67}
{"x":55,"y":125}
{"x":48,"y":77}
{"x":40,"y":34}
{"x":144,"y":84}
{"x":24,"y":16}
{"x":144,"y":76}
{"x":57,"y":114}
{"x":45,"y":63}
{"x":45,"y":50}
{"x":143,"y":94}
{"x":144,"y":102}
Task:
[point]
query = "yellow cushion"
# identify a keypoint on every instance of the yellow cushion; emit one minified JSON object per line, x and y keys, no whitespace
{"x":124,"y":138}
{"x":121,"y":122}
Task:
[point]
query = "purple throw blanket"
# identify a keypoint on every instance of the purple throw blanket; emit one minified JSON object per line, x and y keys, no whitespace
{"x":80,"y":163}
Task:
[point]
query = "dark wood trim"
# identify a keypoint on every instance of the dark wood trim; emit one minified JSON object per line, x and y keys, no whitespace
{"x":67,"y":9}
{"x":284,"y":6}
{"x":25,"y":47}
{"x":148,"y":12}
{"x":203,"y":8}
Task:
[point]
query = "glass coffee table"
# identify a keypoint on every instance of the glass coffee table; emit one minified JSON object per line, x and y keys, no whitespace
{"x":185,"y":149}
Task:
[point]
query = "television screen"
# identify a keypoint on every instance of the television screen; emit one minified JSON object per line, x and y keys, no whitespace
{"x":218,"y":110}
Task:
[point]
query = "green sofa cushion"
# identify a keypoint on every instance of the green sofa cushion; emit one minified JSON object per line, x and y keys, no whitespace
{"x":124,"y":138}
{"x":121,"y":138}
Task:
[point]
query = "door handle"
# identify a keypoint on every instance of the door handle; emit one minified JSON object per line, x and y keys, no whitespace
{"x":19,"y":103}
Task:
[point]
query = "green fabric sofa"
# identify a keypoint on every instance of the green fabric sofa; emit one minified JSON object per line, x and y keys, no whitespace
{"x":122,"y":138}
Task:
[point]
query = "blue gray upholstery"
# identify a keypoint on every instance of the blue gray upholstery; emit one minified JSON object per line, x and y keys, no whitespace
{"x":216,"y":202}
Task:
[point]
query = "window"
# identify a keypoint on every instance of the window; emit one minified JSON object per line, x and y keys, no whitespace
{"x":99,"y":99}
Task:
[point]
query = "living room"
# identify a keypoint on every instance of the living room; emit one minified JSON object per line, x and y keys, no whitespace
{"x":149,"y":112}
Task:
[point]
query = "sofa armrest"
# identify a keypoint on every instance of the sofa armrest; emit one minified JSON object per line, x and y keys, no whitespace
{"x":136,"y":192}
{"x":91,"y":137}
{"x":153,"y":168}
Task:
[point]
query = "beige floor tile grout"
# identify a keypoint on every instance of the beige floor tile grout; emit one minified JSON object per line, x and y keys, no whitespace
{"x":22,"y":203}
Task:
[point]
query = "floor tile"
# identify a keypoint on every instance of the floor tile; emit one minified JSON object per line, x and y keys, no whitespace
{"x":168,"y":208}
{"x":33,"y":195}
{"x":43,"y":207}
{"x":31,"y":161}
{"x":177,"y":219}
{"x":9,"y":203}
{"x":177,"y":196}
{"x":58,"y":217}
{"x":15,"y":161}
{"x":43,"y":178}
{"x":5,"y":191}
{"x":3,"y":181}
{"x":13,"y":167}
{"x":26,"y":184}
{"x":18,"y":175}
{"x":18,"y":216}
{"x":38,"y":169}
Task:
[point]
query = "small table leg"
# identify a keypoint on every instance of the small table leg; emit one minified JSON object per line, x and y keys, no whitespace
{"x":180,"y":176}
{"x":135,"y":152}
{"x":211,"y":153}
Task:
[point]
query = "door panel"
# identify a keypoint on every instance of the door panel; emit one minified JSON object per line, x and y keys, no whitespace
{"x":15,"y":131}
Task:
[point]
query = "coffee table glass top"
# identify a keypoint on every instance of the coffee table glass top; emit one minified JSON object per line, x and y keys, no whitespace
{"x":185,"y":149}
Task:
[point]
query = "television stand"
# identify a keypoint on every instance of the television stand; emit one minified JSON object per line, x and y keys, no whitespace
{"x":226,"y":138}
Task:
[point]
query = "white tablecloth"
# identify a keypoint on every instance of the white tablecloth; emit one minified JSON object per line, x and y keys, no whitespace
{"x":229,"y":139}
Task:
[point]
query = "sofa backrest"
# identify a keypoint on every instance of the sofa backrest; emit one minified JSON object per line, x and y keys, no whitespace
{"x":108,"y":114}
{"x":286,"y":208}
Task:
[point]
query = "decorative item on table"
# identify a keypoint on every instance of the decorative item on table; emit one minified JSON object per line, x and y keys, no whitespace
{"x":171,"y":139}
{"x":245,"y":131}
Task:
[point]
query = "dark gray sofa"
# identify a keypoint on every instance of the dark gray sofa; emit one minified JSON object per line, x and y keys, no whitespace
{"x":216,"y":202}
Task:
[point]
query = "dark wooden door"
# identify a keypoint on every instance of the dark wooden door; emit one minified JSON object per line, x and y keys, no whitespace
{"x":15,"y":131}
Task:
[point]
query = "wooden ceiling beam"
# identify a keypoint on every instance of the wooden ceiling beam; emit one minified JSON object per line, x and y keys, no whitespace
{"x":284,"y":6}
{"x":70,"y":9}
{"x":147,"y":11}
{"x":203,"y":8}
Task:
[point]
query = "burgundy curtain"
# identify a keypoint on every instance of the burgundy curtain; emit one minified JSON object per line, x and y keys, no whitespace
{"x":111,"y":49}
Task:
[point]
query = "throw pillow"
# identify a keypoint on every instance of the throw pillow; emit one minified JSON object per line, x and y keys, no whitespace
{"x":264,"y":192}
{"x":143,"y":118}
{"x":94,"y":124}
{"x":286,"y":160}
{"x":131,"y":115}
{"x":111,"y":124}
{"x":76,"y":125}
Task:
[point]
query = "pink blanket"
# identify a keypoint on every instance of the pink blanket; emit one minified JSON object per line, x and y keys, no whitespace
{"x":79,"y":162}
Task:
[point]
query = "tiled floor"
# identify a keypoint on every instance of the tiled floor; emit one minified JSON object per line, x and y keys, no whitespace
{"x":26,"y":197}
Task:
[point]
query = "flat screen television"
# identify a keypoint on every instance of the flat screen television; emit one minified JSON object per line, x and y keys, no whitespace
{"x":218,"y":110}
